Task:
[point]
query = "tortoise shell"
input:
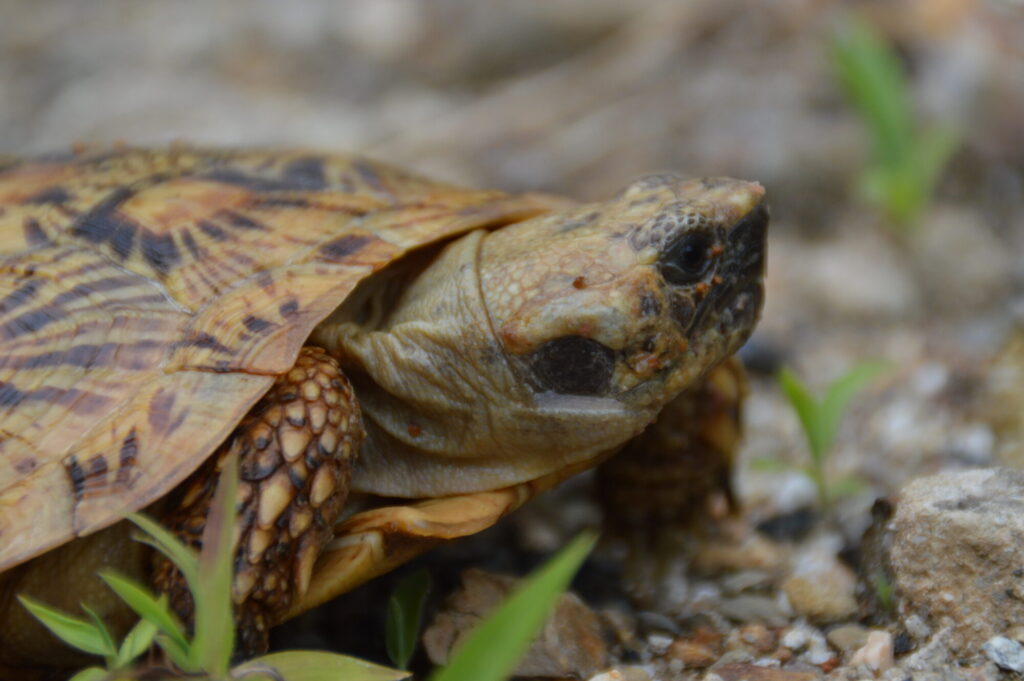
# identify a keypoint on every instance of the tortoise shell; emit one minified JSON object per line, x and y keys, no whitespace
{"x":149,"y":299}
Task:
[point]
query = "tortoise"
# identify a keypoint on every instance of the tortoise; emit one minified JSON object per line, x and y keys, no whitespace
{"x":340,"y":326}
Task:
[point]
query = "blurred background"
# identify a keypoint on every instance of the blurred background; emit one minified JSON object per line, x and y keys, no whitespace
{"x":889,"y":134}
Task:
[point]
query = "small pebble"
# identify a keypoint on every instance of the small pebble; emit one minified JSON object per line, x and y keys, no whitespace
{"x":659,"y":643}
{"x":917,"y":627}
{"x":848,"y":637}
{"x":876,"y":654}
{"x":693,"y":655}
{"x":759,"y":636}
{"x":797,"y":637}
{"x":629,"y":673}
{"x":753,"y":609}
{"x":1005,"y":652}
{"x":656,"y":623}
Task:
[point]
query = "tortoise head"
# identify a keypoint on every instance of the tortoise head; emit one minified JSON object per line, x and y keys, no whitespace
{"x":545,"y":344}
{"x":632,"y":299}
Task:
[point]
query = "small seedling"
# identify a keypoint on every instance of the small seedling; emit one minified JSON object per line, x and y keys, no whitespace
{"x":906,"y":160}
{"x":405,"y":612}
{"x":883,"y":591}
{"x":821,"y":419}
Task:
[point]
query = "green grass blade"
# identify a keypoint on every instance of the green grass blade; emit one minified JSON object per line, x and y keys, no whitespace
{"x":807,"y":410}
{"x":405,"y":611}
{"x":74,"y":631}
{"x":136,"y":641}
{"x":166,"y":543}
{"x":492,"y":650}
{"x":839,"y":394}
{"x":91,"y":674}
{"x":180,"y":654}
{"x":871,"y":76}
{"x":97,"y":622}
{"x":148,"y":606}
{"x":310,"y":665}
{"x":214,"y":638}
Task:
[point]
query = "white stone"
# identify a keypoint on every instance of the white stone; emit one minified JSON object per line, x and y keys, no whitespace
{"x":1005,"y":652}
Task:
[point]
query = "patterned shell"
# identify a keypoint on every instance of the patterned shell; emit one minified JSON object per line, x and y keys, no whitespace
{"x":148,"y":299}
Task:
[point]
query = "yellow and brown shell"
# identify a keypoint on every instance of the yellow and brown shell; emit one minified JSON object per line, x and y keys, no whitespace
{"x":148,"y":299}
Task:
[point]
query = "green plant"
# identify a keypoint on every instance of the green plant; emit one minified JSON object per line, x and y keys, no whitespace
{"x":906,"y":160}
{"x":405,"y":611}
{"x":491,"y":651}
{"x":821,"y":418}
{"x":208,"y":652}
{"x":489,"y":654}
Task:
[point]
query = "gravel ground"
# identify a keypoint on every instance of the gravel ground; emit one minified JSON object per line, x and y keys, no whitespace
{"x":578,"y":97}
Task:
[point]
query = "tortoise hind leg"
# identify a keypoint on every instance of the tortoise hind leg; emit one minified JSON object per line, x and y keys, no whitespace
{"x":295,"y":451}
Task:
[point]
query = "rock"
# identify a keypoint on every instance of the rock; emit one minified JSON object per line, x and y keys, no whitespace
{"x":820,"y":587}
{"x":762,"y":639}
{"x":623,"y":674}
{"x":1005,"y":652}
{"x":752,"y":672}
{"x":753,"y":609}
{"x":876,"y":654}
{"x":692,"y":654}
{"x":956,"y":553}
{"x":659,"y":643}
{"x":569,"y":645}
{"x":754,"y":552}
{"x":699,"y":649}
{"x":848,"y":637}
{"x":807,"y":641}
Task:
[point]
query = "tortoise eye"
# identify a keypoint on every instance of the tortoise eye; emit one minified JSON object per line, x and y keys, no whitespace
{"x":687,"y":260}
{"x":574,"y":365}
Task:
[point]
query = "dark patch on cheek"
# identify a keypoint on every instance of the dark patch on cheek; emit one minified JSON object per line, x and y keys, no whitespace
{"x":574,"y":365}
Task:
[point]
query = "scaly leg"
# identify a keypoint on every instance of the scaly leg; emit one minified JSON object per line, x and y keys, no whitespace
{"x":295,"y":451}
{"x":662,"y":483}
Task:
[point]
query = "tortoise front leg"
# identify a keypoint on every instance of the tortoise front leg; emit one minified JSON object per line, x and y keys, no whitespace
{"x":661,"y":485}
{"x":295,"y":450}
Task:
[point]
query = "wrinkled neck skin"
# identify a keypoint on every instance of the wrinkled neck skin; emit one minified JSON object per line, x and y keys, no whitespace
{"x":446,"y":410}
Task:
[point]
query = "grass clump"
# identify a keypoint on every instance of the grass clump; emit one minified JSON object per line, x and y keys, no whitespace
{"x":489,"y":654}
{"x":906,"y":159}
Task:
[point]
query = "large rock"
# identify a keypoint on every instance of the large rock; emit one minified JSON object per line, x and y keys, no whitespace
{"x":957,"y":553}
